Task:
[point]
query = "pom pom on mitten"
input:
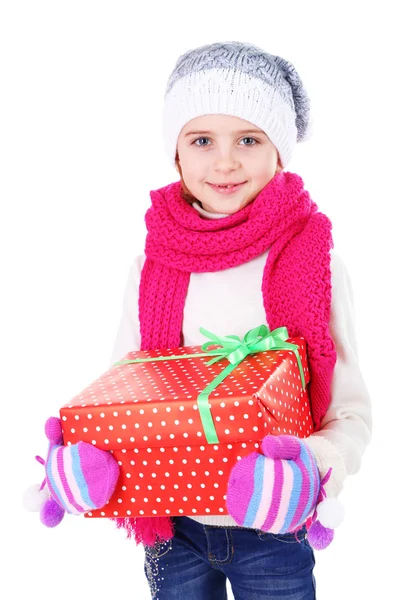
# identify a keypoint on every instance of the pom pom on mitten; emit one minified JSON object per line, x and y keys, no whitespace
{"x":327,"y":515}
{"x":275,"y":491}
{"x":330,"y":513}
{"x":319,"y":537}
{"x":34,"y":497}
{"x":51,"y":513}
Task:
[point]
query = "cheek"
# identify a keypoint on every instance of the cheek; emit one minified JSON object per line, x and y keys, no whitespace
{"x":263,"y":169}
{"x":194,"y":169}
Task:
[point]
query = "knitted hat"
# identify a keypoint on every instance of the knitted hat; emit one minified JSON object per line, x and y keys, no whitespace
{"x":241,"y":80}
{"x":272,"y":494}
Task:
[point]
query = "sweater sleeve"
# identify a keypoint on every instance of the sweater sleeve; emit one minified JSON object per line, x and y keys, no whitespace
{"x":346,"y":428}
{"x":128,"y":334}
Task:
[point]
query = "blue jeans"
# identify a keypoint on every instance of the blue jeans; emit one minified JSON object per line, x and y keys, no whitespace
{"x":199,"y":559}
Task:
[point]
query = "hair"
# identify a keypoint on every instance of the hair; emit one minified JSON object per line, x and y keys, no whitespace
{"x":186,"y":195}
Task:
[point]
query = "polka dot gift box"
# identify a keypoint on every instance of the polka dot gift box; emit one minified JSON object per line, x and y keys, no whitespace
{"x":177,"y":422}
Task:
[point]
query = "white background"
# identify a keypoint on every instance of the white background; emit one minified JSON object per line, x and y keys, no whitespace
{"x":82,"y":87}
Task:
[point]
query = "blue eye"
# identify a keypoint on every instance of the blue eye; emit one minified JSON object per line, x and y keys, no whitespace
{"x":253,"y":140}
{"x":250,"y":138}
{"x":198,"y":139}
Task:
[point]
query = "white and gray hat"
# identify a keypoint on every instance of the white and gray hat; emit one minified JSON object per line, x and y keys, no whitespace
{"x":238,"y":79}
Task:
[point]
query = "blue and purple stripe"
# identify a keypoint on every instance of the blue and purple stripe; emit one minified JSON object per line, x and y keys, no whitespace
{"x":283,"y":492}
{"x":66,"y":481}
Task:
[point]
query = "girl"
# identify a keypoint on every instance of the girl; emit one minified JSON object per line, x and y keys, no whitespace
{"x":235,"y":243}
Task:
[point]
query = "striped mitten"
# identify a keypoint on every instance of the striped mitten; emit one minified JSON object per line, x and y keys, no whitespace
{"x":79,"y":478}
{"x":275,"y":491}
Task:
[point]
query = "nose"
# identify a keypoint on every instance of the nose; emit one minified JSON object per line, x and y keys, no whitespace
{"x":226,"y":160}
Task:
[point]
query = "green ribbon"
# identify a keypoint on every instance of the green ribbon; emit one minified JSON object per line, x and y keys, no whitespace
{"x":235,"y":350}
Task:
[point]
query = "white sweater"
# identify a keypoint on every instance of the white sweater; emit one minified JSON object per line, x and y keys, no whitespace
{"x":230,"y":302}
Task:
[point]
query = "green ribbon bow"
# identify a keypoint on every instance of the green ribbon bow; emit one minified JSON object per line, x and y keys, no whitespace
{"x":235,"y":350}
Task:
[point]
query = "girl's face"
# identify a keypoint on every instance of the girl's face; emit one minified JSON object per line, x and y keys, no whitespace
{"x":220,"y":150}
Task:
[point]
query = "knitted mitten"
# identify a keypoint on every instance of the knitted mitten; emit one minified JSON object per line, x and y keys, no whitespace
{"x":275,"y":491}
{"x":280,"y":490}
{"x":79,"y":477}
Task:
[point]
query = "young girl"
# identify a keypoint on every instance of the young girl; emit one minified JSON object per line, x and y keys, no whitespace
{"x":235,"y":243}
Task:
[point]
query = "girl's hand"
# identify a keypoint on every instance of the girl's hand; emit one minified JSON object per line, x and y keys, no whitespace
{"x":276,"y":490}
{"x":280,"y":489}
{"x":79,"y":478}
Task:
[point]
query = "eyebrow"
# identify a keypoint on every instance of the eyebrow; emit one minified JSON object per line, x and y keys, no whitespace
{"x":257,"y":131}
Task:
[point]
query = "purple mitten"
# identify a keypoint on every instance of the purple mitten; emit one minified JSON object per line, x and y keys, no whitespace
{"x":275,"y":491}
{"x":80,"y":477}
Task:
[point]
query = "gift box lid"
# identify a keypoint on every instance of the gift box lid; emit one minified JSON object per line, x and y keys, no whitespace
{"x":155,"y":404}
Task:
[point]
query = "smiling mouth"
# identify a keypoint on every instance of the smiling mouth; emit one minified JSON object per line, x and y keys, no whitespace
{"x":227,"y":188}
{"x":228,"y":185}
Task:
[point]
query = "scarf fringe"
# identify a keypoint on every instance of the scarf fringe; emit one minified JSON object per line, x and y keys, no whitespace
{"x":146,"y":530}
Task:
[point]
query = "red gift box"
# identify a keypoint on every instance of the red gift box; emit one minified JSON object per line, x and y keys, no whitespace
{"x":147,"y":414}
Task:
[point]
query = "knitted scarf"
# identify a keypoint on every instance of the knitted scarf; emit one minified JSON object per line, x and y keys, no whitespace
{"x":296,"y":283}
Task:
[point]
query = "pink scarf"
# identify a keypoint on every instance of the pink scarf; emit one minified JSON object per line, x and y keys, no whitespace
{"x":296,"y":284}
